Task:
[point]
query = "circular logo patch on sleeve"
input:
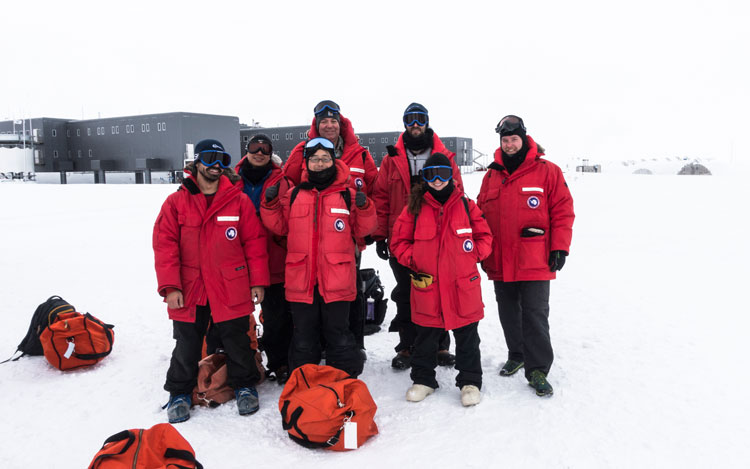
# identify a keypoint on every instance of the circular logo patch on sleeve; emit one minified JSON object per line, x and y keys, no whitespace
{"x":231,"y":233}
{"x":468,"y":245}
{"x":359,"y":183}
{"x":339,"y":224}
{"x":533,"y":201}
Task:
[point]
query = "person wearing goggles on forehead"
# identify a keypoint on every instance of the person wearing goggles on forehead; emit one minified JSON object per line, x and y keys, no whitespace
{"x":398,"y":172}
{"x":261,"y":169}
{"x":529,"y":209}
{"x":320,"y":218}
{"x":211,"y":265}
{"x":440,"y":237}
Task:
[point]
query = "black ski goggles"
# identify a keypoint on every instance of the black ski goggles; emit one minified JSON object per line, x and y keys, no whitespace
{"x":419,"y":118}
{"x":430,"y":173}
{"x":259,"y":147}
{"x":213,"y":157}
{"x":509,"y":124}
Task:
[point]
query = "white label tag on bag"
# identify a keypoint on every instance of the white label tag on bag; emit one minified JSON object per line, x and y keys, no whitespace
{"x":350,"y":435}
{"x":69,"y":351}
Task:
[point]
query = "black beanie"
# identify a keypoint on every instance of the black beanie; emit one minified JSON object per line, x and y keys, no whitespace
{"x":437,"y":159}
{"x":260,"y":138}
{"x":511,"y":125}
{"x":416,"y":107}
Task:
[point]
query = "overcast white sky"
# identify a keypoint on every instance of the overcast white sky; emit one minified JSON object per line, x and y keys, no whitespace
{"x":597,"y":79}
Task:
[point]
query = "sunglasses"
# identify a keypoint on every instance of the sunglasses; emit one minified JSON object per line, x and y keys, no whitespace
{"x":509,"y":124}
{"x":430,"y":173}
{"x":411,"y":118}
{"x":213,"y":157}
{"x":256,"y":147}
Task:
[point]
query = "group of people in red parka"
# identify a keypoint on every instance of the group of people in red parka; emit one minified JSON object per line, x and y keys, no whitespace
{"x":289,"y":238}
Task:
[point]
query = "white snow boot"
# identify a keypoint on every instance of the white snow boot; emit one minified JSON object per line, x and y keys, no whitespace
{"x":470,"y":395}
{"x":417,"y":392}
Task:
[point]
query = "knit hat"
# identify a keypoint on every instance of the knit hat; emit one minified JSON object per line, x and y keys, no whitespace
{"x":511,"y":125}
{"x":437,"y":159}
{"x":327,"y":108}
{"x":415,"y":108}
{"x":260,"y":138}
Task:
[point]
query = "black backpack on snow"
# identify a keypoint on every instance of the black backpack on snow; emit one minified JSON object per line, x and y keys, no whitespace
{"x":44,"y":315}
{"x":373,"y":290}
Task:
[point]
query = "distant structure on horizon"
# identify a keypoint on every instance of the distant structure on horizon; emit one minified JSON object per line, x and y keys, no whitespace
{"x":158,"y":142}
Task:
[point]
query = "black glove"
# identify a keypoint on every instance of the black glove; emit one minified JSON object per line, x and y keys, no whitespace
{"x":360,"y":199}
{"x":381,"y":247}
{"x":369,"y":240}
{"x":556,"y":260}
{"x":272,"y":192}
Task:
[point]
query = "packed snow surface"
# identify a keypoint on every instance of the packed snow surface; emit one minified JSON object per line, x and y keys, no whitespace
{"x":649,"y":320}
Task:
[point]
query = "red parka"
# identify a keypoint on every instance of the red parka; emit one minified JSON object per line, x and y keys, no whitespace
{"x":319,"y":227}
{"x":447,"y":243}
{"x":362,"y":167}
{"x":534,"y":196}
{"x":391,"y":193}
{"x":276,"y":244}
{"x":213,"y":254}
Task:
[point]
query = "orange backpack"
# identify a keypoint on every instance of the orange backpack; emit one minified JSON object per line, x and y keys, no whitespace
{"x":75,"y":340}
{"x":158,"y":447}
{"x":320,"y":404}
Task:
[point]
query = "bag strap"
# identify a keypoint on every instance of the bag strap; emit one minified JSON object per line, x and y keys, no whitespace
{"x":304,"y":440}
{"x":185,"y":455}
{"x":123,"y":435}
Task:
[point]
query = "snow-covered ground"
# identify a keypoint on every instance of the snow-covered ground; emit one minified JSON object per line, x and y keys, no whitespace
{"x":649,"y":320}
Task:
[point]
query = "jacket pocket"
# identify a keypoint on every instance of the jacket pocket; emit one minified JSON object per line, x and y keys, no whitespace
{"x":296,"y":275}
{"x":533,"y":253}
{"x":339,"y":275}
{"x":425,"y":304}
{"x":469,"y":296}
{"x":237,"y":284}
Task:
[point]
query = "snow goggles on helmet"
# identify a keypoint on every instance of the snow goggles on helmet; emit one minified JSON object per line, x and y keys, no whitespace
{"x":327,"y":105}
{"x":411,"y":118}
{"x":430,"y":173}
{"x":259,"y":147}
{"x":509,"y":124}
{"x":213,"y":157}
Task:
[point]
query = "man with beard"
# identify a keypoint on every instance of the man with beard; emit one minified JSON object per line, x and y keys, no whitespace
{"x":211,"y":264}
{"x":529,"y":209}
{"x":399,"y":171}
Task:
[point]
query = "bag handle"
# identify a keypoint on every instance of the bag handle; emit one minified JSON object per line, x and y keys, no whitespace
{"x":305,"y":441}
{"x":185,"y":455}
{"x":117,"y":437}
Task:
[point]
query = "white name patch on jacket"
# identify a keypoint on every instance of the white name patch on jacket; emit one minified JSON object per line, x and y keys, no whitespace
{"x":228,"y":218}
{"x":463,"y":231}
{"x":532,"y":189}
{"x":342,"y":211}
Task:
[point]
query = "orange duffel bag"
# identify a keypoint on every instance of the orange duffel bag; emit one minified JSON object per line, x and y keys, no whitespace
{"x":75,"y":340}
{"x":322,"y":407}
{"x":158,"y":447}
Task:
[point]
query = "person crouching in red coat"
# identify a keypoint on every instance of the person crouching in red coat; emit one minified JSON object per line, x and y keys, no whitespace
{"x":441,"y":236}
{"x":321,"y":217}
{"x":211,"y":263}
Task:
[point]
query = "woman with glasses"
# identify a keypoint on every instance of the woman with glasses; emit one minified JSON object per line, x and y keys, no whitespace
{"x":321,"y":217}
{"x":441,"y":236}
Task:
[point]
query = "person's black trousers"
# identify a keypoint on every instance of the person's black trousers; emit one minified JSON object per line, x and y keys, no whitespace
{"x":277,"y":326}
{"x":468,"y":356}
{"x":401,"y":323}
{"x":357,"y":312}
{"x":524,"y":315}
{"x":332,"y":321}
{"x":182,"y":375}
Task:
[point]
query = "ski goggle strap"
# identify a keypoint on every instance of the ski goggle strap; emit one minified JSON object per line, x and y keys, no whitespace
{"x":509,"y":124}
{"x":430,"y":173}
{"x":213,"y":157}
{"x":256,"y":147}
{"x":411,"y":118}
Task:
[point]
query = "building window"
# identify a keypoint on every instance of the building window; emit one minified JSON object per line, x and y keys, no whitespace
{"x":117,"y":129}
{"x":163,"y":126}
{"x":244,"y":138}
{"x":90,"y":153}
{"x":372,"y":139}
{"x":158,"y":126}
{"x":302,"y":135}
{"x":143,"y":127}
{"x":54,"y":154}
{"x":98,"y":131}
{"x":78,"y":132}
{"x":148,"y":127}
{"x":395,"y":139}
{"x":54,"y":132}
{"x":67,"y":132}
{"x":79,"y":153}
{"x":38,"y":157}
{"x":275,"y":137}
{"x":88,"y":131}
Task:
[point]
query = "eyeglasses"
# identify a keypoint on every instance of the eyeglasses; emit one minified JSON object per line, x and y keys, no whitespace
{"x":509,"y":124}
{"x":329,"y":105}
{"x":257,"y":147}
{"x":317,"y":160}
{"x":411,"y":118}
{"x":213,"y":157}
{"x":430,"y":173}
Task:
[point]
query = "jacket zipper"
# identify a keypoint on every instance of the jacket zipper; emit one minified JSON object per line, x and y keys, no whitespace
{"x":138,"y":448}
{"x":315,"y":240}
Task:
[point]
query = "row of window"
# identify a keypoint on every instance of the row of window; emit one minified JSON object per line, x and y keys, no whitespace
{"x":115,"y":129}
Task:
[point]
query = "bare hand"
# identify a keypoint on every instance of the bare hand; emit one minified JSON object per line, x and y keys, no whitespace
{"x":175,"y":300}
{"x":257,"y":294}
